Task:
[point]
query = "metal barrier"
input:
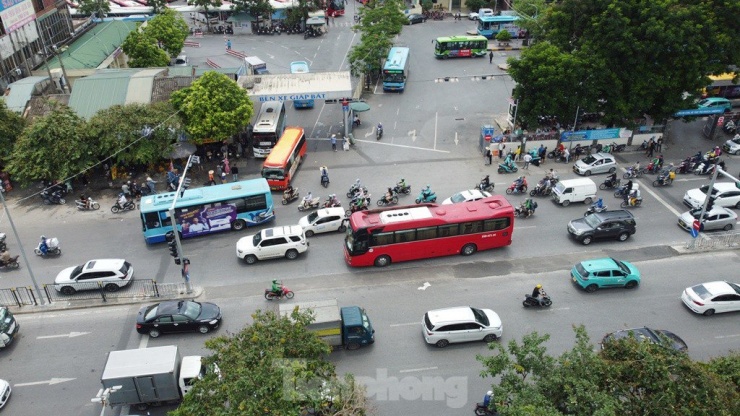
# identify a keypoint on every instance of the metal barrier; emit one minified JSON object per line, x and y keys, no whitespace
{"x":731,"y":239}
{"x":17,"y":296}
{"x":137,"y":289}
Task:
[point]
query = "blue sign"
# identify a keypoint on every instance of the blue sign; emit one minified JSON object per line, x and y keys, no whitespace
{"x":694,"y":232}
{"x":699,"y":112}
{"x":600,"y":134}
{"x":6,"y":4}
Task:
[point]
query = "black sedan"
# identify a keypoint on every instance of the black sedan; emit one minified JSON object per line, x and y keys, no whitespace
{"x":416,"y":18}
{"x":655,"y":336}
{"x":178,"y":316}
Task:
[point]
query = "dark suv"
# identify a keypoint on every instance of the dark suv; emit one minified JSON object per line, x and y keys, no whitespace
{"x":619,"y":225}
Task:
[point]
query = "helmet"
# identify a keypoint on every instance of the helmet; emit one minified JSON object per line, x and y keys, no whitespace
{"x":43,"y":237}
{"x":671,"y":164}
{"x":539,"y":286}
{"x":489,"y":393}
{"x":487,"y":176}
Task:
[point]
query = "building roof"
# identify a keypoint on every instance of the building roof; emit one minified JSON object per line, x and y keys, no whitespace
{"x":93,"y":47}
{"x":18,"y":94}
{"x":120,"y":86}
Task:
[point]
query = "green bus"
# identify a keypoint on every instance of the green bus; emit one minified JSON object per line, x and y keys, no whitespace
{"x":460,"y":46}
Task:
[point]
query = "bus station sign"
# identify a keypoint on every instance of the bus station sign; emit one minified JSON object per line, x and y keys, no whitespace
{"x":600,"y":134}
{"x":699,"y":112}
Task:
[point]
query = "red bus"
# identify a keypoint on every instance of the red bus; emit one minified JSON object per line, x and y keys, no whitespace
{"x":381,"y":236}
{"x":282,"y":162}
{"x":334,"y":8}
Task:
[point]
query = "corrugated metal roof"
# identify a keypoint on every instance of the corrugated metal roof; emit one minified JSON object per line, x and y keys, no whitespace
{"x":17,"y":94}
{"x":97,"y":44}
{"x":109,"y":87}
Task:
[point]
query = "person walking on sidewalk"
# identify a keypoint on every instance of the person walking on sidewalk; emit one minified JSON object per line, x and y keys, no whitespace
{"x":490,"y":57}
{"x":334,"y":142}
{"x":234,"y":173}
{"x":501,"y":147}
{"x":527,"y":159}
{"x":228,"y":44}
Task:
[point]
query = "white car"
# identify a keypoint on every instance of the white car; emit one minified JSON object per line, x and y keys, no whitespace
{"x":4,"y":392}
{"x":442,"y":327}
{"x":324,"y":220}
{"x":473,"y":16}
{"x":466,"y":196}
{"x":485,"y":13}
{"x":719,"y":218}
{"x":112,"y":274}
{"x":713,"y":297}
{"x":287,"y":241}
{"x":725,"y":194}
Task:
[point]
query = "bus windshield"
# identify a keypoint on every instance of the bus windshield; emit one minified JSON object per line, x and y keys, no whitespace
{"x":268,"y":127}
{"x":273,"y":173}
{"x":396,"y":69}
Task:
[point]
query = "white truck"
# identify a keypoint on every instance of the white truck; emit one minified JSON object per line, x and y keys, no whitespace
{"x":348,"y":327}
{"x":149,"y":376}
{"x":255,"y":66}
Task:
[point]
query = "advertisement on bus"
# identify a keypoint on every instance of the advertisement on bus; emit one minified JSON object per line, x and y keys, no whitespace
{"x":203,"y":220}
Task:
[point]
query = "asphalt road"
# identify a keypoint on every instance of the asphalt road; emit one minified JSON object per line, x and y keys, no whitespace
{"x":431,"y":134}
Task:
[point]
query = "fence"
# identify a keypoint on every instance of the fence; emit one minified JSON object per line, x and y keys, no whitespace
{"x":137,"y":289}
{"x":731,"y":239}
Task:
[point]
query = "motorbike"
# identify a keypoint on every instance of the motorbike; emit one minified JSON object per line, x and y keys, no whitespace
{"x":481,"y":410}
{"x":631,"y":202}
{"x":11,"y":264}
{"x":632,"y":173}
{"x":730,"y":127}
{"x":284,"y":293}
{"x":383,"y":201}
{"x":619,"y":193}
{"x":541,"y":189}
{"x":685,"y":166}
{"x":354,"y":189}
{"x":594,"y":208}
{"x":332,"y":203}
{"x":607,"y":184}
{"x":52,"y":197}
{"x":290,"y":196}
{"x":354,"y":207}
{"x":705,"y":168}
{"x":379,"y":132}
{"x":522,"y":212}
{"x":489,"y":188}
{"x":129,"y":205}
{"x":89,"y":205}
{"x":517,"y":189}
{"x":664,"y":179}
{"x":307,"y":204}
{"x":555,"y":154}
{"x":426,"y":197}
{"x":503,"y":168}
{"x":325,"y":180}
{"x":651,"y":168}
{"x":530,"y":301}
{"x":402,"y":189}
{"x":52,"y":248}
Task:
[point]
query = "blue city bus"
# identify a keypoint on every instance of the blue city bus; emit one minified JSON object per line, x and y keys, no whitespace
{"x":396,"y":69}
{"x":489,"y":26}
{"x":207,"y":210}
{"x":300,"y":67}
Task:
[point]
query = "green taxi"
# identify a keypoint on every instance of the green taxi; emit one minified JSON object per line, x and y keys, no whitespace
{"x":602,"y":273}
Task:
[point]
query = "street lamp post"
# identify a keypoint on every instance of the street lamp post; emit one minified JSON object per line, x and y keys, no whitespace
{"x":185,"y":262}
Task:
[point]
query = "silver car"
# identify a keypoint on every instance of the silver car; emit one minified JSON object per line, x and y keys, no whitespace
{"x":442,"y":327}
{"x":596,"y":163}
{"x":732,"y":146}
{"x":719,"y":218}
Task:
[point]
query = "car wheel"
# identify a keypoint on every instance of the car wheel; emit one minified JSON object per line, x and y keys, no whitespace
{"x":112,"y":287}
{"x":204,"y":329}
{"x":708,"y":312}
{"x":291,"y":254}
{"x":468,"y":249}
{"x":623,"y":236}
{"x":587,"y":201}
{"x":309,"y":233}
{"x":728,"y":227}
{"x":382,"y":261}
{"x":154,"y":333}
{"x":587,"y":173}
{"x":442,"y":343}
{"x":566,"y":203}
{"x":737,"y":152}
{"x":353,"y":346}
{"x":68,"y":290}
{"x":586,"y":240}
{"x":591,"y":288}
{"x":490,"y":338}
{"x":612,"y":170}
{"x":631,"y":284}
{"x":238,"y":225}
{"x":250,"y":259}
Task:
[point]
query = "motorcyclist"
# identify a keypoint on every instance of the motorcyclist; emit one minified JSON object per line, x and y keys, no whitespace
{"x":552,"y":175}
{"x":380,"y":129}
{"x":520,"y":183}
{"x":5,"y":257}
{"x":307,"y":199}
{"x":84,"y":202}
{"x":324,"y":171}
{"x":43,"y":246}
{"x":288,"y":192}
{"x":538,"y":293}
{"x":388,"y":197}
{"x":357,"y":121}
{"x":427,"y":192}
{"x":627,"y":188}
{"x":401,"y":185}
{"x":612,"y":179}
{"x":599,"y":203}
{"x":277,"y":288}
{"x":485,"y":183}
{"x":635,"y":168}
{"x":333,"y":201}
{"x":121,"y":200}
{"x":634,"y":197}
{"x":528,"y":206}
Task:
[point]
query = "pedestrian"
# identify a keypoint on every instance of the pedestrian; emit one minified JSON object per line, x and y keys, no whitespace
{"x":717,"y":151}
{"x":334,"y":142}
{"x":566,"y":155}
{"x":527,"y":159}
{"x":518,"y":153}
{"x":542,"y":154}
{"x":224,"y":179}
{"x":490,"y":57}
{"x":651,"y":149}
{"x":227,"y":166}
{"x":488,"y":156}
{"x":501,"y":148}
{"x":234,"y":173}
{"x":659,"y":144}
{"x":326,"y":18}
{"x":219,"y":171}
{"x":211,"y":178}
{"x":332,"y":20}
{"x":228,"y":44}
{"x":345,"y":144}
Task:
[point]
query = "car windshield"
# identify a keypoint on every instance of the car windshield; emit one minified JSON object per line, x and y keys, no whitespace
{"x":592,"y":220}
{"x":312,"y":217}
{"x":480,"y":316}
{"x":256,"y":239}
{"x":704,"y":189}
{"x":125,"y":267}
{"x":621,"y":265}
{"x":190,"y":309}
{"x":589,"y":160}
{"x":151,"y":313}
{"x":701,"y":291}
{"x":457,"y":198}
{"x":77,"y":270}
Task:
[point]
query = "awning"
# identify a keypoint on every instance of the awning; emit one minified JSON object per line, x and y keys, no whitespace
{"x":241,"y":17}
{"x":315,"y":21}
{"x":359,"y":107}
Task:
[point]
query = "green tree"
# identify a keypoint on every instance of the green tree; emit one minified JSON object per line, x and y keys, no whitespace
{"x":255,"y":8}
{"x":158,"y":6}
{"x":119,"y":131}
{"x":627,"y":378}
{"x":97,"y":8}
{"x":274,"y":366}
{"x":472,"y":5}
{"x":11,"y":126}
{"x":380,"y":23}
{"x":143,"y":52}
{"x":168,"y":30}
{"x":213,"y":107}
{"x":206,"y":4}
{"x":503,"y":36}
{"x":54,"y":146}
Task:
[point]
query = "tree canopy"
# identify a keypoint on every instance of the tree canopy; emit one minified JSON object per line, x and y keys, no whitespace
{"x":626,"y":378}
{"x":379,"y":23}
{"x":153,"y":44}
{"x":97,"y":8}
{"x":11,"y":126}
{"x":274,"y":366}
{"x":632,"y":58}
{"x":213,"y":108}
{"x":143,"y":52}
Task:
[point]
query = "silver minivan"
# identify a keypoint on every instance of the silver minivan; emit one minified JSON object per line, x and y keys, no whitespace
{"x":442,"y":327}
{"x":596,"y":163}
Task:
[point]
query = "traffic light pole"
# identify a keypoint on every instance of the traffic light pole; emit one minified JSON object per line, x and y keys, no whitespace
{"x":185,"y":262}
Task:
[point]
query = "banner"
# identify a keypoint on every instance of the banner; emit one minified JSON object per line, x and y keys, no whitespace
{"x":16,"y":13}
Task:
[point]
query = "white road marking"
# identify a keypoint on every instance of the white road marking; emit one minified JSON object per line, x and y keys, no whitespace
{"x":70,"y":335}
{"x":413,"y":370}
{"x":48,"y":382}
{"x":554,"y":309}
{"x":402,"y":145}
{"x":727,"y":336}
{"x":144,"y":341}
{"x":424,"y":286}
{"x":436,"y":117}
{"x":526,"y":226}
{"x":406,"y":324}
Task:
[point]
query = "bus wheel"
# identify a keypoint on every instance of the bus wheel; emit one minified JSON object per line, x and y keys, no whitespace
{"x":238,"y":225}
{"x":382,"y":261}
{"x":468,"y":249}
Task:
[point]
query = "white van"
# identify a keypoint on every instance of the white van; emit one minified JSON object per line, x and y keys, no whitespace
{"x":574,"y":190}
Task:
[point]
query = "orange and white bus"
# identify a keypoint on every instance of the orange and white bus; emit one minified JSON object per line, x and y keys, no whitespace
{"x":282,"y":162}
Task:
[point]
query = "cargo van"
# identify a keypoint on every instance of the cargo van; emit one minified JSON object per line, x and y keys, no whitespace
{"x":574,"y":190}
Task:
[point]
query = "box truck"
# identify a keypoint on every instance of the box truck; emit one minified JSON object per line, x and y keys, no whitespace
{"x":347,"y":327}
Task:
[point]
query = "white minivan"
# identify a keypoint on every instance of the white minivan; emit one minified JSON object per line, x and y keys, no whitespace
{"x":286,"y":241}
{"x":574,"y":190}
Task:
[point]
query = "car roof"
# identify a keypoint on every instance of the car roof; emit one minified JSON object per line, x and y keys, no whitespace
{"x":603,"y":156}
{"x":325,"y":212}
{"x":169,"y":307}
{"x":724,"y":186}
{"x":103,"y":264}
{"x":451,"y":315}
{"x":475,"y":193}
{"x":613,"y":215}
{"x":719,"y":288}
{"x":599,"y":264}
{"x":282,"y":231}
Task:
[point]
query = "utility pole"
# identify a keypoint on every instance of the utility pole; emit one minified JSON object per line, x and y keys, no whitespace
{"x":176,"y":249}
{"x":706,"y":206}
